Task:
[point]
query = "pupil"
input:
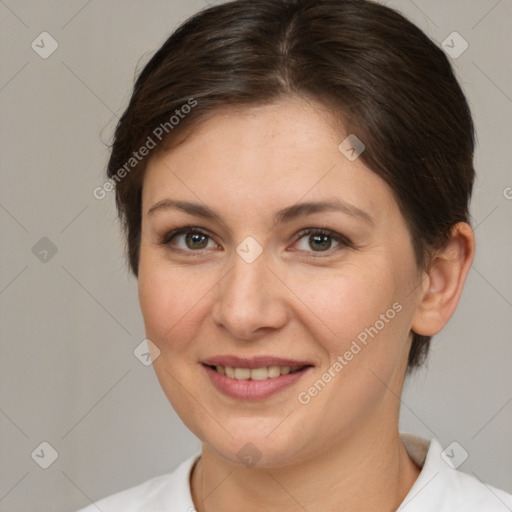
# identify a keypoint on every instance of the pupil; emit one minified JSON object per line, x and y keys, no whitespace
{"x":320,"y":242}
{"x":196,"y":237}
{"x":318,"y":239}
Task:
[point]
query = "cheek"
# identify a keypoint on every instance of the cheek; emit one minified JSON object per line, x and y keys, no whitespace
{"x":361,"y":322}
{"x":170,"y":300}
{"x":171,"y":306}
{"x":358,"y":319}
{"x":341,"y":304}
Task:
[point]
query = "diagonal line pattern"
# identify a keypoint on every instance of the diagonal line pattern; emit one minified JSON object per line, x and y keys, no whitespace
{"x":13,"y":13}
{"x":13,"y":218}
{"x":74,"y":218}
{"x":314,"y":185}
{"x":87,"y":87}
{"x":424,"y":13}
{"x":491,"y":490}
{"x":494,"y":416}
{"x":194,"y":305}
{"x":14,"y":76}
{"x":286,"y":491}
{"x":309,"y":309}
{"x":14,"y":485}
{"x":95,"y":300}
{"x":485,"y":218}
{"x":216,"y":487}
{"x":280,"y":423}
{"x":92,"y":502}
{"x":415,"y":288}
{"x":492,"y":286}
{"x":14,"y":423}
{"x":219,"y":280}
{"x":198,"y":402}
{"x":492,"y":81}
{"x":75,"y":15}
{"x":190,"y":189}
{"x":486,"y":14}
{"x":13,"y":279}
{"x":402,"y":507}
{"x":96,"y":403}
{"x":402,"y":402}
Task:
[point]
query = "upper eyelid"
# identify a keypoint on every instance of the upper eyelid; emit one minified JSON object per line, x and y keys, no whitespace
{"x":340,"y":238}
{"x":183,"y":231}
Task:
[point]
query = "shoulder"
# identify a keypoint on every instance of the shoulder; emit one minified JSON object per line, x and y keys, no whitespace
{"x":158,"y":493}
{"x":444,"y":488}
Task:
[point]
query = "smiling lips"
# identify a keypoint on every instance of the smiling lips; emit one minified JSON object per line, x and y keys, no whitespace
{"x":253,"y":378}
{"x":270,"y":372}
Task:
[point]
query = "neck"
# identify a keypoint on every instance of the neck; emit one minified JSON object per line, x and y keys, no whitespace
{"x":373,"y":472}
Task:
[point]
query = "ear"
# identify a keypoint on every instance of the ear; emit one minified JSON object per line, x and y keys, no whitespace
{"x":443,"y":281}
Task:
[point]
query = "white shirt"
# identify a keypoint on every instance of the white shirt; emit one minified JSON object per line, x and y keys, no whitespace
{"x":439,"y":487}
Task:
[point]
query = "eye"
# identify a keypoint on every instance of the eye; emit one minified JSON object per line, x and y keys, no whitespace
{"x":189,"y":239}
{"x":321,"y":240}
{"x":313,"y":240}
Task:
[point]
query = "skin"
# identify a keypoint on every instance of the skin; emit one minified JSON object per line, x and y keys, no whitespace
{"x":343,"y":447}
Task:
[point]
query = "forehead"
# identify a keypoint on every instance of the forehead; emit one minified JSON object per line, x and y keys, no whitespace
{"x":264,"y":157}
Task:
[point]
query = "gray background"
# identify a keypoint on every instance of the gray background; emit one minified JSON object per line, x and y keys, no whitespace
{"x":70,"y":324}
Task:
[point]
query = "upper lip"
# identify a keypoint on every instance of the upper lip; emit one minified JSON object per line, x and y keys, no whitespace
{"x":253,"y":362}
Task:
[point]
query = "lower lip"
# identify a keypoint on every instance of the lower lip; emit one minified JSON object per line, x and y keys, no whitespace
{"x":252,"y":389}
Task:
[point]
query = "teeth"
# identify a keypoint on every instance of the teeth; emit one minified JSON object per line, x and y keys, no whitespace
{"x":259,"y":374}
{"x":242,"y":373}
{"x":270,"y":372}
{"x":273,"y":371}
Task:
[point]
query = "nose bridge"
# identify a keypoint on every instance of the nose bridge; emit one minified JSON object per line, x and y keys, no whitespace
{"x":248,"y":300}
{"x":246,"y":278}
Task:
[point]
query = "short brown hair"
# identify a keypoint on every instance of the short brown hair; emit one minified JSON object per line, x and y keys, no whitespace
{"x":388,"y":82}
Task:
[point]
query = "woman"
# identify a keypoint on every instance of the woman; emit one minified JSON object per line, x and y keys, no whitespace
{"x":293,"y":177}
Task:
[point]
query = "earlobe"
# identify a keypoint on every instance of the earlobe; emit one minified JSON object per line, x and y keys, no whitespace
{"x":444,"y":280}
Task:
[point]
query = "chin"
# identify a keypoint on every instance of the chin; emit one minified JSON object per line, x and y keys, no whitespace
{"x":254,"y":443}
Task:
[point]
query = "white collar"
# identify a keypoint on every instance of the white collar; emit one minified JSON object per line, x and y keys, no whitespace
{"x":439,"y":487}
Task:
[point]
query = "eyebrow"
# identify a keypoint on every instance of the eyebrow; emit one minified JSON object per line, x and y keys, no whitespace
{"x":281,"y":216}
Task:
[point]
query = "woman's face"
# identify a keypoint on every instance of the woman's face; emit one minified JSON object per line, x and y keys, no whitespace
{"x":269,"y":286}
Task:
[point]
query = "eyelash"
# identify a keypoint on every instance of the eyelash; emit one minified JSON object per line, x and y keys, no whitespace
{"x":342,"y":240}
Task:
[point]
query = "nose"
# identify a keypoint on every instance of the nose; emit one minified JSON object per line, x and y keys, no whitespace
{"x":251,"y":300}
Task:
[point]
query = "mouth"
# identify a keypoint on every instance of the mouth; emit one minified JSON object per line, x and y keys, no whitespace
{"x":262,"y":373}
{"x":255,"y":378}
